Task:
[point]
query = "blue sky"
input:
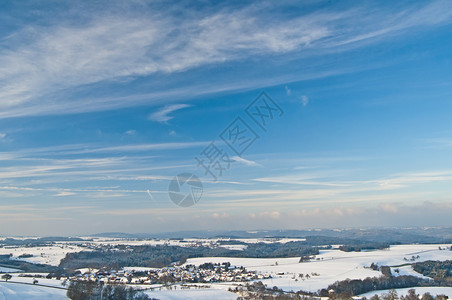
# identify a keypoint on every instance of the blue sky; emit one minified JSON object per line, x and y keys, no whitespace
{"x":101,"y":102}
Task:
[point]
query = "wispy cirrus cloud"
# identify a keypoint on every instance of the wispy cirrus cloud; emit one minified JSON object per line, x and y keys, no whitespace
{"x":42,"y":170}
{"x":246,"y":162}
{"x":389,"y":182}
{"x":404,"y":180}
{"x":143,"y":147}
{"x":37,"y":62}
{"x":438,"y":143}
{"x":64,"y":194}
{"x":163,"y":114}
{"x":91,"y":148}
{"x":302,"y":179}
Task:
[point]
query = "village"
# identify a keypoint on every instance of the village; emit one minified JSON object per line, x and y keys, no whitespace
{"x":206,"y":273}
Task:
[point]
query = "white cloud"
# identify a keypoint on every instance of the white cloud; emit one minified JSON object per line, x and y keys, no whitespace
{"x":163,"y":116}
{"x":389,"y":207}
{"x":35,"y":167}
{"x":63,"y":194}
{"x":303,"y":179}
{"x":404,"y":180}
{"x":272,"y":215}
{"x":297,"y":217}
{"x":304,"y":100}
{"x":288,"y":90}
{"x":88,"y":148}
{"x":38,"y":62}
{"x":142,"y":147}
{"x":390,"y":182}
{"x":220,"y":215}
{"x":68,"y":192}
{"x":2,"y":135}
{"x":245,"y":161}
{"x":439,"y":143}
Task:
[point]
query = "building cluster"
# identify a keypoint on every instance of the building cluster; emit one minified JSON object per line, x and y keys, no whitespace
{"x":174,"y":274}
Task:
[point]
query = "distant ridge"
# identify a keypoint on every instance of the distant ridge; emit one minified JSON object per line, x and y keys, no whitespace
{"x":390,"y":235}
{"x":117,"y":235}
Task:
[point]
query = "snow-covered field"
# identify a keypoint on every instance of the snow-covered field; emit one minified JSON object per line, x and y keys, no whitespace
{"x":44,"y":281}
{"x":406,"y":270}
{"x":8,"y":270}
{"x":50,"y":255}
{"x":332,"y":265}
{"x":17,"y":291}
{"x":419,"y":290}
{"x":287,"y":273}
{"x":189,"y":242}
{"x":202,"y":294}
{"x":271,"y":240}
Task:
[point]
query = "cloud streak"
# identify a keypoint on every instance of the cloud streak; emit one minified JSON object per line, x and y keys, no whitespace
{"x":163,"y":116}
{"x":37,"y":63}
{"x":245,"y":162}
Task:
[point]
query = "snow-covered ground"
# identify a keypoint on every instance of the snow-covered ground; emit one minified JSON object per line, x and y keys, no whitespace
{"x":407,"y":270}
{"x":44,"y":281}
{"x":8,"y":270}
{"x":187,"y":242}
{"x":201,"y":294}
{"x":332,"y":265}
{"x":419,"y":290}
{"x":327,"y":267}
{"x":234,"y":247}
{"x":17,"y":291}
{"x":271,"y":240}
{"x":50,"y":255}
